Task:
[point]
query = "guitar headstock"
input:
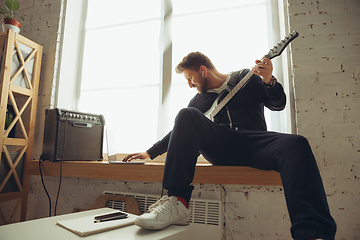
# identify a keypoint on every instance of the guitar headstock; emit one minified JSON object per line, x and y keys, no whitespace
{"x":279,"y":48}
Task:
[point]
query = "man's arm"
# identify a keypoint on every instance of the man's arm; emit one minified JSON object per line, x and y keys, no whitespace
{"x":157,"y":149}
{"x":133,"y":156}
{"x":275,"y":97}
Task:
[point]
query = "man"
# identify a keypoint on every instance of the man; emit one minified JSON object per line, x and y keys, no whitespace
{"x":237,"y":137}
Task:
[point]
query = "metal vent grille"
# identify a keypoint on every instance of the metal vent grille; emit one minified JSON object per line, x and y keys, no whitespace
{"x":203,"y":211}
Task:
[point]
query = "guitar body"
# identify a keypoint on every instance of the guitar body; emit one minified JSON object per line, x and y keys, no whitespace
{"x":213,"y":106}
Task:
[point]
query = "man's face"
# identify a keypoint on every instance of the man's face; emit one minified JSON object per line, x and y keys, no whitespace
{"x":195,"y":80}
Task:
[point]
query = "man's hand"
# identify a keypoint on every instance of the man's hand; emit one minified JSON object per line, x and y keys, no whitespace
{"x":133,"y":156}
{"x":264,"y":69}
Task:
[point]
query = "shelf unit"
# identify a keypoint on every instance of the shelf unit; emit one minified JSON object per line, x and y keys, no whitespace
{"x":20,"y":62}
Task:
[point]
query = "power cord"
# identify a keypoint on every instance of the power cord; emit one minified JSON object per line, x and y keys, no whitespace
{"x":47,"y":193}
{"x":61,"y":160}
{"x":58,"y":193}
{"x":61,"y":166}
{"x":42,"y":180}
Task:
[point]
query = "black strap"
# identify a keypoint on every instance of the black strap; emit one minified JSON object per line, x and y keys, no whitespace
{"x":235,"y":79}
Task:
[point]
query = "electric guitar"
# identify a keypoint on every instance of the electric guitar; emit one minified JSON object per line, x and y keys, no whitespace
{"x":274,"y":52}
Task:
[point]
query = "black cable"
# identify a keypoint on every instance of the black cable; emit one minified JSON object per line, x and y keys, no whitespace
{"x":42,"y":180}
{"x":61,"y":161}
{"x":58,"y":193}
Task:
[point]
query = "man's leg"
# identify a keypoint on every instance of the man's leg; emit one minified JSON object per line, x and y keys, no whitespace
{"x":304,"y":190}
{"x":192,"y":131}
{"x":291,"y":155}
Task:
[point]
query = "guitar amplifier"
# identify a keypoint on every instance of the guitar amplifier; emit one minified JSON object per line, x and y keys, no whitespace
{"x":72,"y":136}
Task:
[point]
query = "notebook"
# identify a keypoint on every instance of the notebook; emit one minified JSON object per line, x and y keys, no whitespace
{"x":111,"y":148}
{"x":85,"y":226}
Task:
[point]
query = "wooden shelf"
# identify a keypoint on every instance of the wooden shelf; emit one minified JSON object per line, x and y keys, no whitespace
{"x":10,"y":196}
{"x":154,"y":172}
{"x":20,"y":70}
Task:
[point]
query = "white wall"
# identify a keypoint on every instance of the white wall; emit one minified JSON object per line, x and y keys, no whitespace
{"x":42,"y":25}
{"x":326,"y":61}
{"x":326,"y":73}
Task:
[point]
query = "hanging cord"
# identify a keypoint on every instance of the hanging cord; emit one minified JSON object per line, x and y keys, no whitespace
{"x":223,"y":210}
{"x":42,"y":180}
{"x":61,"y":161}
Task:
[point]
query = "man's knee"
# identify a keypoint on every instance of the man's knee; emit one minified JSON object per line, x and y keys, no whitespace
{"x":296,"y":141}
{"x":299,"y":148}
{"x":188,"y":114}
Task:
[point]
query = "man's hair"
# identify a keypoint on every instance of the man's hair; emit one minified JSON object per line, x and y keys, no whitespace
{"x":194,"y":61}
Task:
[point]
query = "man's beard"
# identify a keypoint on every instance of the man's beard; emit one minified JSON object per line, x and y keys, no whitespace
{"x":203,"y":87}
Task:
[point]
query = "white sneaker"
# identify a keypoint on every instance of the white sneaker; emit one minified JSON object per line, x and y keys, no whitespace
{"x":163,"y":213}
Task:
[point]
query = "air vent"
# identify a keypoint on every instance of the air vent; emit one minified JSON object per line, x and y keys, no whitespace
{"x":203,"y":211}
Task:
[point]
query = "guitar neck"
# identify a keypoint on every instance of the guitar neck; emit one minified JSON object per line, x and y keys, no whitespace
{"x":238,"y":86}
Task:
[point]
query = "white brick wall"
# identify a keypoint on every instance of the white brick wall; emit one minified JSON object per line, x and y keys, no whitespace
{"x":41,"y":25}
{"x":326,"y":71}
{"x":326,"y":75}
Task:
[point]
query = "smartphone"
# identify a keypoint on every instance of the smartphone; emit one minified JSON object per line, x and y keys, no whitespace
{"x":110,"y":216}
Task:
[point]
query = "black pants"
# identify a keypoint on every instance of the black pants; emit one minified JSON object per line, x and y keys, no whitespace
{"x":288,"y":154}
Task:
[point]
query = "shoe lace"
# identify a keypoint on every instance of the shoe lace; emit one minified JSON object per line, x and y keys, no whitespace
{"x":163,"y":204}
{"x":159,"y":202}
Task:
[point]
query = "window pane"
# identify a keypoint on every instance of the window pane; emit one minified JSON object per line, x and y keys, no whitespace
{"x":121,"y":57}
{"x":114,"y":12}
{"x":226,"y":37}
{"x":191,"y":6}
{"x":120,"y":74}
{"x":130,"y":113}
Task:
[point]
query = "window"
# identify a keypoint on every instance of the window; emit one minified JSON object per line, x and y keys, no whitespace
{"x":127,"y":54}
